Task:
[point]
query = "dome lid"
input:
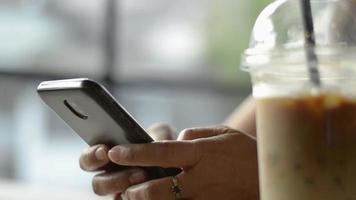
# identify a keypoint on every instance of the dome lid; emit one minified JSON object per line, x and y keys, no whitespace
{"x":278,"y":32}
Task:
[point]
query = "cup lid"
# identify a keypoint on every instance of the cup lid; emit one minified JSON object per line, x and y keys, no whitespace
{"x":278,"y":31}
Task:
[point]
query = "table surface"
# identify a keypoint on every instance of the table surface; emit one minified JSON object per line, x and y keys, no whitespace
{"x":10,"y":190}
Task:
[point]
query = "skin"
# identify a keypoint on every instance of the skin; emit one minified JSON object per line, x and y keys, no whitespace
{"x":243,"y":118}
{"x":216,"y":162}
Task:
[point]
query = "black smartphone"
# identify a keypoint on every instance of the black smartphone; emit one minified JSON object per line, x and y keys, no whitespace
{"x":94,"y":114}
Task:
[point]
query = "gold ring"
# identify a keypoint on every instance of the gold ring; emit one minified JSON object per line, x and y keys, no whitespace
{"x":176,"y":188}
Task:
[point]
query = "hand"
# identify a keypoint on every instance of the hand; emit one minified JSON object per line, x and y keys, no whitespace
{"x":111,"y":183}
{"x":217,"y":163}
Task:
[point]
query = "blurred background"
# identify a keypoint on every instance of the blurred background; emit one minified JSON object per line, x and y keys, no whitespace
{"x":165,"y":60}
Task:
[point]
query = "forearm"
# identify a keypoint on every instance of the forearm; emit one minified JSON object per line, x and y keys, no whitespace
{"x":243,"y":118}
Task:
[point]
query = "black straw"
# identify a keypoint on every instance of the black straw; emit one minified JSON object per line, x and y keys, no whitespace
{"x":312,"y":59}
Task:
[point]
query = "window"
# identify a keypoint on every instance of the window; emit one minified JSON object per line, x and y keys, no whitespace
{"x":164,"y":58}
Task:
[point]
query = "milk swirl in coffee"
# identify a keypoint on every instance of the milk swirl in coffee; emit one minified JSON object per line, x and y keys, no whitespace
{"x":307,"y":148}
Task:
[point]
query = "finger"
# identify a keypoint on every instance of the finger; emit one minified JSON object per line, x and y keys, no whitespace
{"x":159,"y":189}
{"x":94,"y":158}
{"x":117,"y":182}
{"x":196,"y":133}
{"x":163,"y":154}
{"x":162,"y":131}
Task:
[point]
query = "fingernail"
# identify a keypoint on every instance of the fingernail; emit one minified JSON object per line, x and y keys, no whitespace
{"x":137,"y":177}
{"x":114,"y":153}
{"x":100,"y":154}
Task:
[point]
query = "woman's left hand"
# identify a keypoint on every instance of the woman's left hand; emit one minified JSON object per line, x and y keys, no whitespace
{"x":217,"y":163}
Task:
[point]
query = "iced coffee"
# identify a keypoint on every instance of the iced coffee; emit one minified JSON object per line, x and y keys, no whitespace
{"x":303,"y":69}
{"x":307,"y":147}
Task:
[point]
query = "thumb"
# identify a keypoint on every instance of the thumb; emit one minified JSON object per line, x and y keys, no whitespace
{"x":163,"y":154}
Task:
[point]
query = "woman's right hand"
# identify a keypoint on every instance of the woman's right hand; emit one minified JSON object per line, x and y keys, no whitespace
{"x":116,"y":182}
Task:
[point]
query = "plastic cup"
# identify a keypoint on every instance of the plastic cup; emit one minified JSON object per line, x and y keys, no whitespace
{"x":306,"y":137}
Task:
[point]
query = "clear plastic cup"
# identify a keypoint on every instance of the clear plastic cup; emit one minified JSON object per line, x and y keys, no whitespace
{"x":306,"y":138}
